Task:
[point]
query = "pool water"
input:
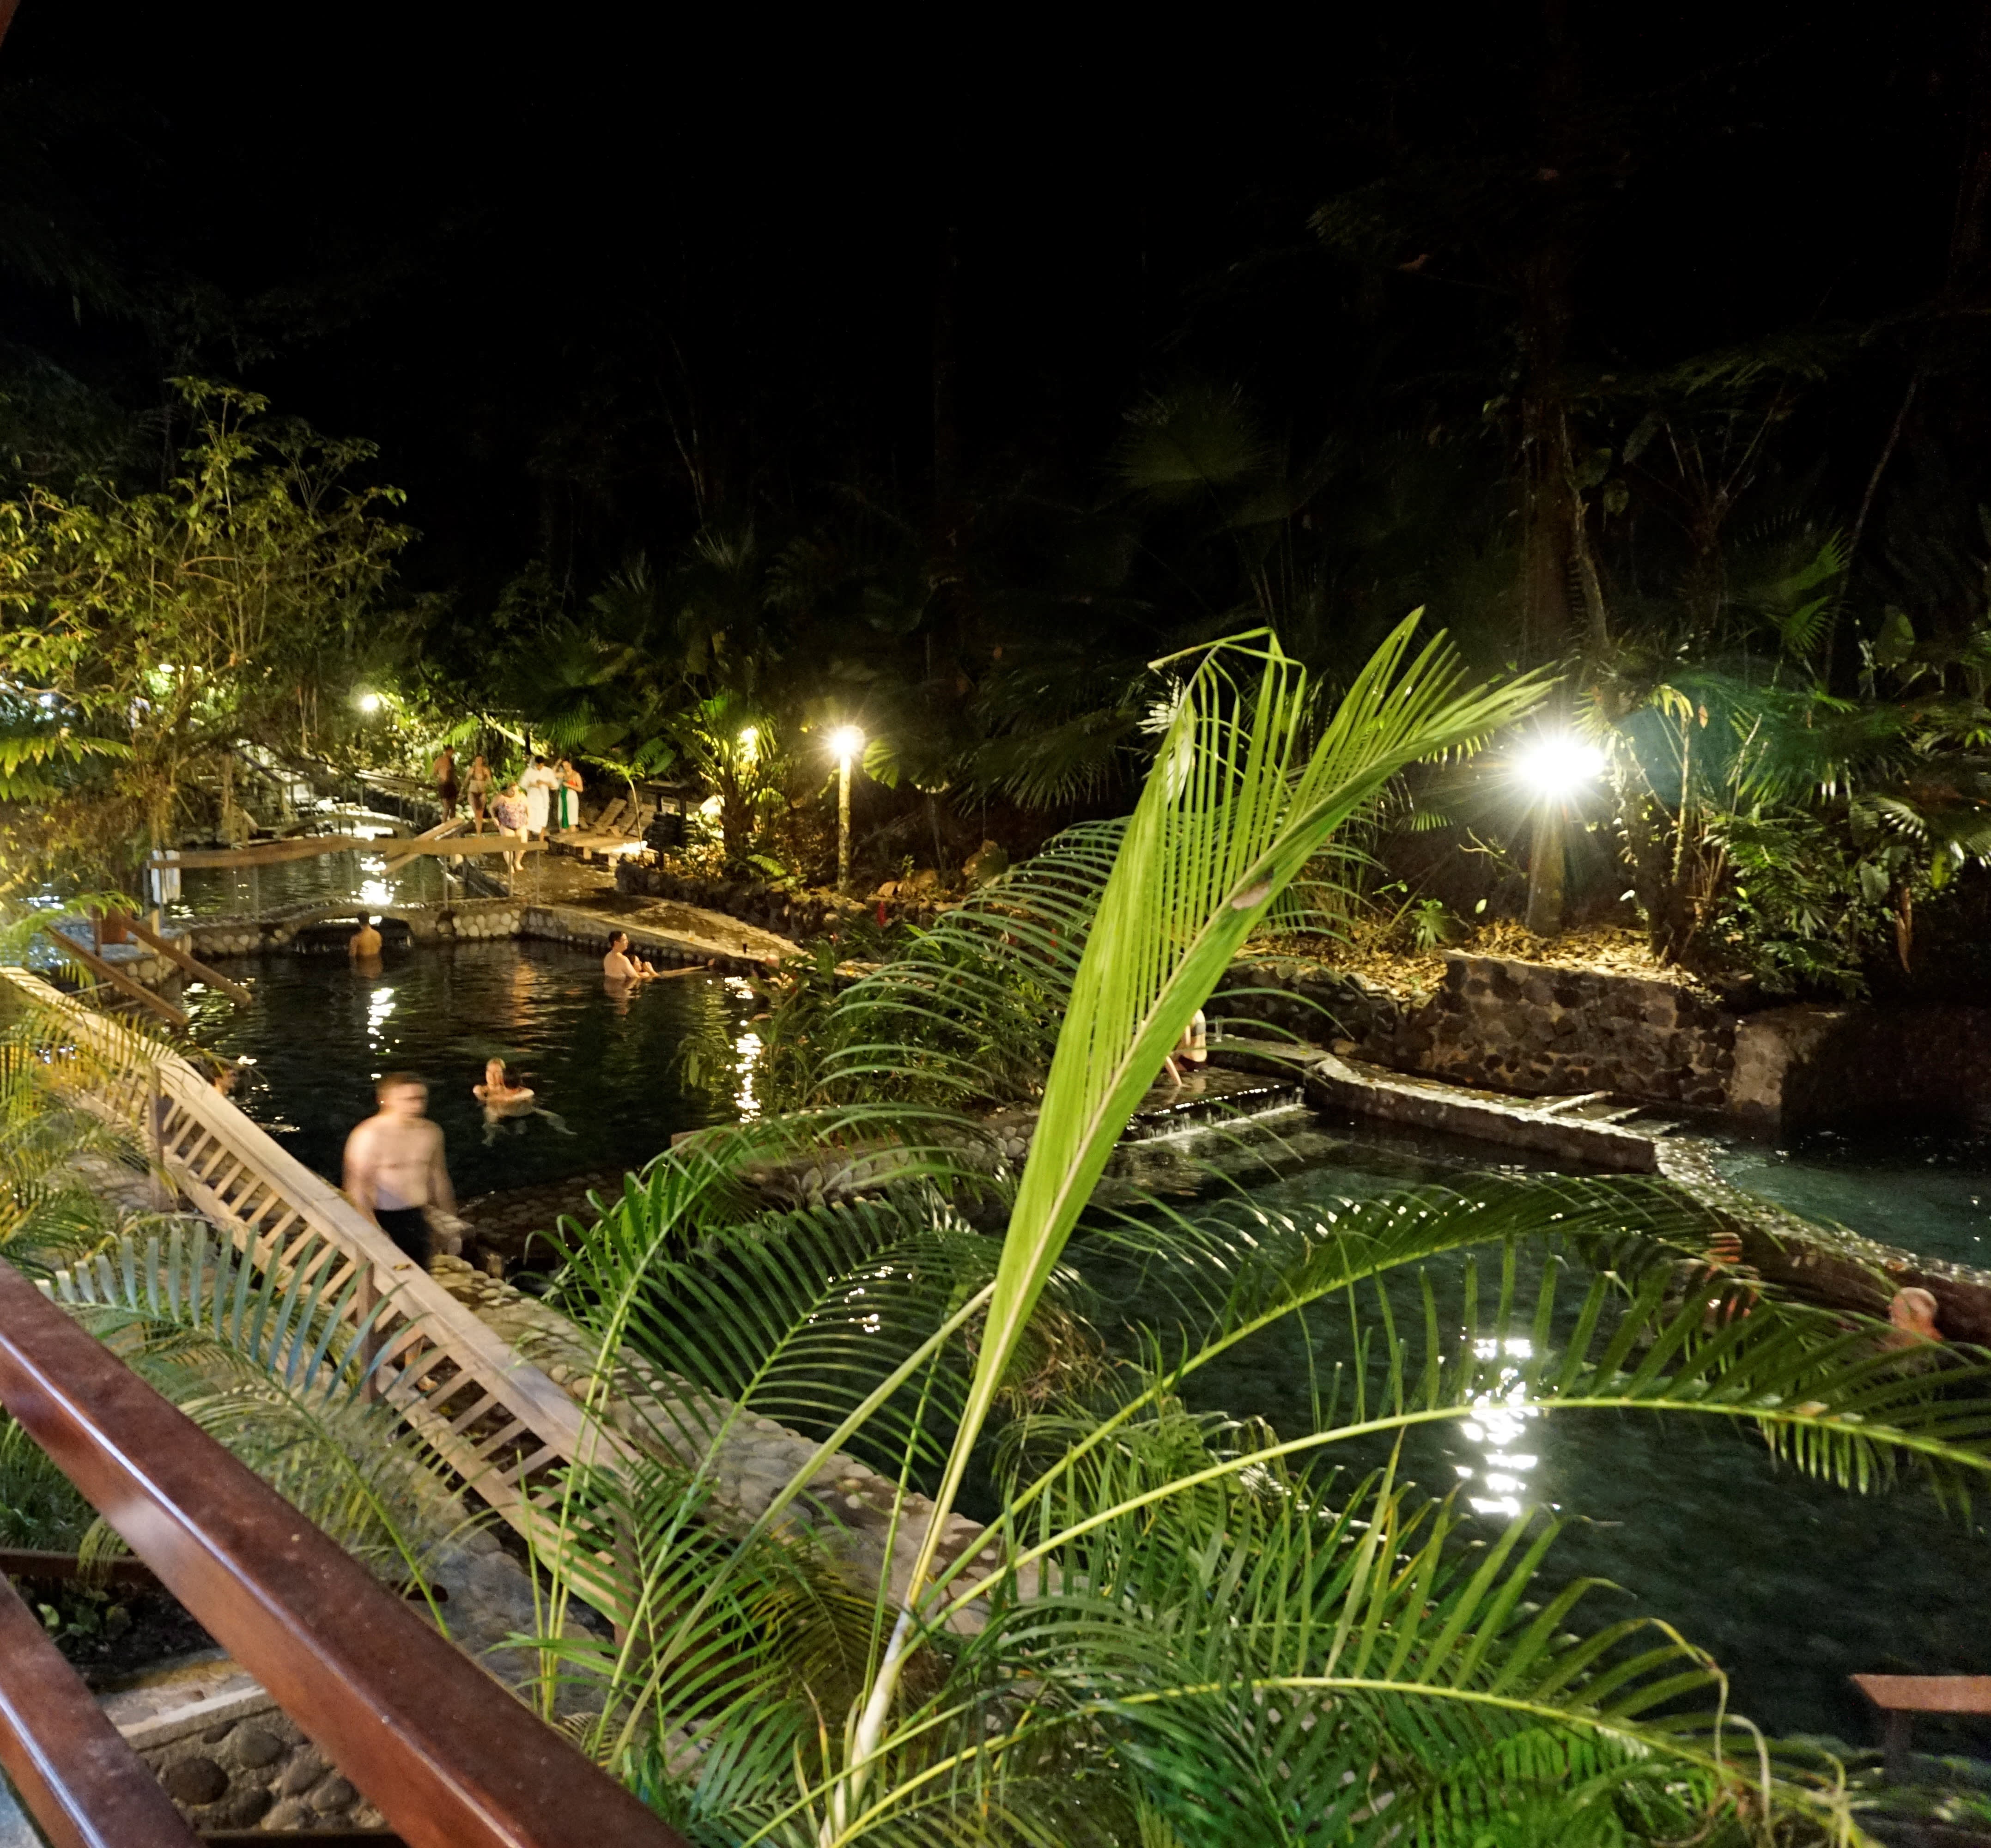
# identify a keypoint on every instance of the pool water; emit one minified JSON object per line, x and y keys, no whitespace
{"x":1929,"y":1194}
{"x":619,"y":1076}
{"x":1791,"y":1585}
{"x":361,"y":876}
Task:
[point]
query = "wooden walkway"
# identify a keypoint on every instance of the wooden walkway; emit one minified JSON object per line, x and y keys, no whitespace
{"x":501,"y":1424}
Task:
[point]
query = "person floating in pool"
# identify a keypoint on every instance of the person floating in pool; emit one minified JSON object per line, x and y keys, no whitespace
{"x":506,"y":1101}
{"x":395,"y":1174}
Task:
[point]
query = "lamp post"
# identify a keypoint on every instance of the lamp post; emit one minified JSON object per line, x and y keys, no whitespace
{"x":1554,"y":767}
{"x":846,"y":741}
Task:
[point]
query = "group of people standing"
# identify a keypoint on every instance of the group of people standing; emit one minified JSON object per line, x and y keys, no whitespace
{"x":544,"y":797}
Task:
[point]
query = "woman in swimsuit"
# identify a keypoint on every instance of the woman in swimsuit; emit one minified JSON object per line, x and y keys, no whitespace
{"x":479,"y":784}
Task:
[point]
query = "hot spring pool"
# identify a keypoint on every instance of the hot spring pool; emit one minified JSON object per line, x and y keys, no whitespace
{"x":1793,"y":1586}
{"x":619,"y":1076}
{"x":1931,"y":1193}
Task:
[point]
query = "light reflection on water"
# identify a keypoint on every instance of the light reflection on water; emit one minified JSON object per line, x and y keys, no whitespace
{"x":1500,"y":1421}
{"x":1791,"y":1584}
{"x":322,"y":1029}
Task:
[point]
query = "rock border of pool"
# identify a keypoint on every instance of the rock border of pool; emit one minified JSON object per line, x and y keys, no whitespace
{"x":1822,"y":1263}
{"x":732,"y":947}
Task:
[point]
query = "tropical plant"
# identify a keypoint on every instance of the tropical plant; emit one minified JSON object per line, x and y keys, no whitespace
{"x":272,"y":1363}
{"x":155,"y":632}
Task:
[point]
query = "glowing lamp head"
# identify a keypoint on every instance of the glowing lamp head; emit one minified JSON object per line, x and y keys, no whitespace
{"x":750,"y":741}
{"x":1557,"y":765}
{"x":368,"y":702}
{"x":846,"y":742}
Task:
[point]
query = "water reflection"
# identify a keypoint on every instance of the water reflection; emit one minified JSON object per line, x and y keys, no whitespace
{"x":1499,"y":1421}
{"x":379,"y":1006}
{"x":620,"y":1088}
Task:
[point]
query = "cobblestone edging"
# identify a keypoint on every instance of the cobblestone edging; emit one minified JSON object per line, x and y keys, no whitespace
{"x":231,"y":1759}
{"x":733,"y":947}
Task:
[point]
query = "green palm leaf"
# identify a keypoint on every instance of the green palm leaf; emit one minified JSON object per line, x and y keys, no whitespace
{"x":1237,"y":806}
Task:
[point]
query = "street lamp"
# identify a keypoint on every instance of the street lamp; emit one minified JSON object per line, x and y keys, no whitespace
{"x":846,"y":741}
{"x":1554,"y":769}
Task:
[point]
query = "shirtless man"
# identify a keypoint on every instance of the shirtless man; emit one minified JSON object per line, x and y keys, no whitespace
{"x":445,"y":771}
{"x":364,"y":944}
{"x":619,"y":966}
{"x":394,"y":1165}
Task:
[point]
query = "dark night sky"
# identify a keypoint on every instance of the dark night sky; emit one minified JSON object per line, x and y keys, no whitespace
{"x":498,"y":247}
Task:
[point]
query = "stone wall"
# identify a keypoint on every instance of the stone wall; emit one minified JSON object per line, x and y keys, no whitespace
{"x":796,"y":915}
{"x":476,"y":920}
{"x":1542,"y":1030}
{"x":1533,"y":1029}
{"x":1928,"y":1065}
{"x":241,"y":1763}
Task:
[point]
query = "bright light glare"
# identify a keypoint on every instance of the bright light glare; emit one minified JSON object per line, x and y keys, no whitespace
{"x":368,"y":702}
{"x":1558,"y":765}
{"x":750,"y":741}
{"x":846,"y":742}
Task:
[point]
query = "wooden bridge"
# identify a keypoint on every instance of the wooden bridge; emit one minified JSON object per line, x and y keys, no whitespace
{"x":501,"y":1424}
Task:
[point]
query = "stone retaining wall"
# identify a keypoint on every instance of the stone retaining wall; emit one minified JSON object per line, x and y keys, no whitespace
{"x":240,"y":1762}
{"x":475,"y":920}
{"x":1542,"y":1030}
{"x":798,"y":915}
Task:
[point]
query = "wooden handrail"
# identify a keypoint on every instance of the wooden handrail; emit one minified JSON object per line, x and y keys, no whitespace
{"x":311,"y":847}
{"x":87,"y":1788}
{"x":399,"y":855}
{"x":109,"y":972}
{"x":440,"y":1749}
{"x":192,"y":964}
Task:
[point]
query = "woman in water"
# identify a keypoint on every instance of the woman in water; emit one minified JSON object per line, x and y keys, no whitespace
{"x":505,"y":1100}
{"x":498,"y":1092}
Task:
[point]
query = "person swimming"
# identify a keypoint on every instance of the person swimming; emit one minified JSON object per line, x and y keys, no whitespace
{"x":364,"y":944}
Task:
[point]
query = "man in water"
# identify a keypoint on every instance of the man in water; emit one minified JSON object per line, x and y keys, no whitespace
{"x":364,"y":944}
{"x":394,"y":1165}
{"x":619,"y":966}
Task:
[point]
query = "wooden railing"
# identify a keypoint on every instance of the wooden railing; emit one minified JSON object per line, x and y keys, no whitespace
{"x":440,"y":1748}
{"x":499,"y":1422}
